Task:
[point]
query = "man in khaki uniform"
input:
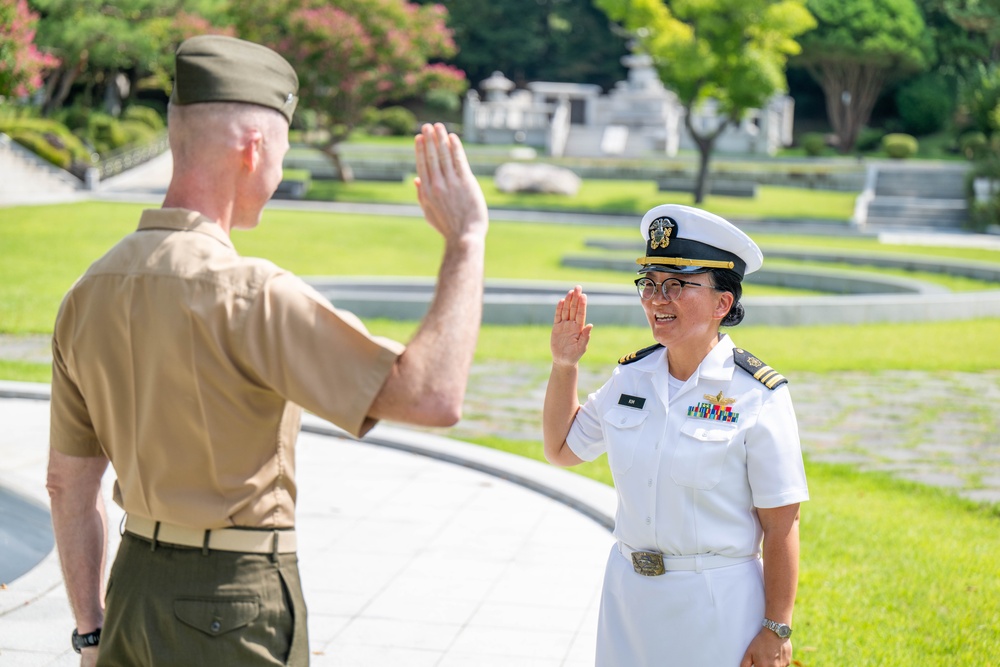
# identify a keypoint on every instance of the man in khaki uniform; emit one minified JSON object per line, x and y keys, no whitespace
{"x":185,"y":365}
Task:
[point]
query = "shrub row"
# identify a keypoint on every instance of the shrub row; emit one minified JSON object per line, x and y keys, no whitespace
{"x":76,"y":139}
{"x":896,"y":145}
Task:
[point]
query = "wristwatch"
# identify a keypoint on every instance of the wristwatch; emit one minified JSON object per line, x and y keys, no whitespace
{"x":779,"y":629}
{"x":88,"y":640}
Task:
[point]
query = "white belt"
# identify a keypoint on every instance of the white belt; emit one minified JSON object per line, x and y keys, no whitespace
{"x":651,"y":564}
{"x":243,"y":540}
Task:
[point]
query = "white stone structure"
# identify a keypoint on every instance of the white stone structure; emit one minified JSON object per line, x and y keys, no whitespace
{"x":637,"y":117}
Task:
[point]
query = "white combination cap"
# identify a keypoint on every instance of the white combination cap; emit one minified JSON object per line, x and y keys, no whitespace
{"x":683,"y":239}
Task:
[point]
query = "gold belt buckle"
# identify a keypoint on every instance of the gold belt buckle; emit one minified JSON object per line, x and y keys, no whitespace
{"x":647,"y":563}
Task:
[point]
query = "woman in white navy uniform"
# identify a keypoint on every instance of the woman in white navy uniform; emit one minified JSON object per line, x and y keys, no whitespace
{"x":703,"y":445}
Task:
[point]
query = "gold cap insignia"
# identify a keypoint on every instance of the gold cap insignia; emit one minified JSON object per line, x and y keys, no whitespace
{"x":660,"y":231}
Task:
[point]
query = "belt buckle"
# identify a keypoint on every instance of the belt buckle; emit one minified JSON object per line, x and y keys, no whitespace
{"x":648,"y":563}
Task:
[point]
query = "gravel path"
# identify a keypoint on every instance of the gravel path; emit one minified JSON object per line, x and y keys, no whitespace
{"x":941,"y":429}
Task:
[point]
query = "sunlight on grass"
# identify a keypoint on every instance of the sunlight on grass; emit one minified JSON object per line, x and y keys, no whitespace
{"x":617,"y":196}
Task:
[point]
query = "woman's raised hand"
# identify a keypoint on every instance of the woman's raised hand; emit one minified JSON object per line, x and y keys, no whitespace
{"x":570,"y":332}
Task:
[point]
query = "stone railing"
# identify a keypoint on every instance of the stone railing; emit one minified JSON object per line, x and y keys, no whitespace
{"x":121,"y":160}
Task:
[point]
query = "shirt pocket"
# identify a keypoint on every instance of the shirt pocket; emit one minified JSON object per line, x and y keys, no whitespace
{"x":700,"y":454}
{"x":622,"y":429}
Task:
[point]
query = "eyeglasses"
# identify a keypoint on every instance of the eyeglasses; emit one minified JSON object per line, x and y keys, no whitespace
{"x":670,"y":288}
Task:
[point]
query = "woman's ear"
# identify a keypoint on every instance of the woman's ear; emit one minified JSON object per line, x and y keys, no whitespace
{"x":724,"y":304}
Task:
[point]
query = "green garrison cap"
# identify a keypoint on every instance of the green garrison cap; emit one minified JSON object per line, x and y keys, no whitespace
{"x":214,"y":68}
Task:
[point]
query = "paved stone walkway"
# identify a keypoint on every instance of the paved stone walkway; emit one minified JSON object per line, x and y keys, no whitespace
{"x":941,"y":429}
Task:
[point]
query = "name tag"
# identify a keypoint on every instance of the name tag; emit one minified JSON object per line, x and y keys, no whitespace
{"x":632,"y":401}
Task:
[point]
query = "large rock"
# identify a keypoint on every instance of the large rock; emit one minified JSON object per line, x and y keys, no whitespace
{"x":534,"y":177}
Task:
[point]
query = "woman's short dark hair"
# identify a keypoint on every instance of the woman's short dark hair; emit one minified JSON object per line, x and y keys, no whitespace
{"x":727,"y":280}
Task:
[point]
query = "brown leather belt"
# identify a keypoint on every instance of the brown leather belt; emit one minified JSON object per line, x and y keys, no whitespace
{"x":220,"y":539}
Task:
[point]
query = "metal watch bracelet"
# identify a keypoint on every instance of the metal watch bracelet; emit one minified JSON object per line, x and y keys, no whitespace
{"x":780,"y":629}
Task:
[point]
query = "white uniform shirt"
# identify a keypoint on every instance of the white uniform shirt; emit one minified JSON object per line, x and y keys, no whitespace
{"x":689,"y":484}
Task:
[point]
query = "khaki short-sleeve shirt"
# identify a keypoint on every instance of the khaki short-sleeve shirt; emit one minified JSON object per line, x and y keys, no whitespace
{"x":186,"y":365}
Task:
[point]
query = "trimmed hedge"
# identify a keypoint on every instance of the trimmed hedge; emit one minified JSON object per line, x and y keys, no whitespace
{"x":50,"y":140}
{"x":142,"y":115}
{"x":814,"y":143}
{"x":974,"y":145}
{"x":899,"y":146}
{"x":392,"y":121}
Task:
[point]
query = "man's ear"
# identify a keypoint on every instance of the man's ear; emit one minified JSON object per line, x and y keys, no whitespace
{"x":250,"y":152}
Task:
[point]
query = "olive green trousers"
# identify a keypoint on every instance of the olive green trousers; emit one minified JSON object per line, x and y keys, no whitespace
{"x":177,"y":606}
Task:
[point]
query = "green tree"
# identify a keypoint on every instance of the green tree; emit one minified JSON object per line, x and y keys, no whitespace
{"x":957,"y":49}
{"x":21,"y":63}
{"x":731,"y":51}
{"x":980,"y":17}
{"x":541,"y":40}
{"x":109,"y":46}
{"x":858,"y":47}
{"x":353,"y":55}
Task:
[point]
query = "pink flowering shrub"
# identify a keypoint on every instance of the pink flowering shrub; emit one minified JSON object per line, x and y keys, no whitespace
{"x":22,"y":65}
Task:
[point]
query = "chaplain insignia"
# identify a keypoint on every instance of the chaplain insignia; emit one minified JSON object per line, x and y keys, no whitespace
{"x":660,"y":231}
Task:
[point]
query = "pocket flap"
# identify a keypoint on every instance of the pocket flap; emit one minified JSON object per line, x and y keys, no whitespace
{"x":625,"y":417}
{"x":216,"y":616}
{"x":708,"y":432}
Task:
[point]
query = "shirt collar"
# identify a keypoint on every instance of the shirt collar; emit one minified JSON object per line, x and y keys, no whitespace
{"x":183,"y":220}
{"x":717,"y":365}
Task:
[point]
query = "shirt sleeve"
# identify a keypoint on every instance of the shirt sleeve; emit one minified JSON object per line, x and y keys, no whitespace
{"x":71,"y":430}
{"x":586,"y":435}
{"x":774,"y":455}
{"x":315,"y":355}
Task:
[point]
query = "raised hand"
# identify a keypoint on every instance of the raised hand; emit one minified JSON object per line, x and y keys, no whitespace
{"x":448,"y":192}
{"x":570,"y":331}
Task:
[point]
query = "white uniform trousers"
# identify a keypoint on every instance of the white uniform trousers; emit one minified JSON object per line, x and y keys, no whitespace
{"x":682,"y":618}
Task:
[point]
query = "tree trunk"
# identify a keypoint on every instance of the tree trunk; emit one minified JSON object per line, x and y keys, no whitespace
{"x":851,"y":90}
{"x":706,"y":144}
{"x":344,"y":171}
{"x":66,"y":78}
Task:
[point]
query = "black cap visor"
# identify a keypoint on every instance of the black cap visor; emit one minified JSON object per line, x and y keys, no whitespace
{"x":687,"y":256}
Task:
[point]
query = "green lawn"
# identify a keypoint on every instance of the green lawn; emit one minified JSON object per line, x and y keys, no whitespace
{"x":46,"y":247}
{"x":616,"y":196}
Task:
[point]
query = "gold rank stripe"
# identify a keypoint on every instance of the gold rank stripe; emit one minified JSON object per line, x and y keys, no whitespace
{"x":768,"y":376}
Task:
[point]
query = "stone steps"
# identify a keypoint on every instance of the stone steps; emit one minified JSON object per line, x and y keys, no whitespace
{"x":919,"y":197}
{"x":26,"y":178}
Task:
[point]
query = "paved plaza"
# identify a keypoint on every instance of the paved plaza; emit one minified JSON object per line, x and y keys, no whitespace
{"x":406,"y":559}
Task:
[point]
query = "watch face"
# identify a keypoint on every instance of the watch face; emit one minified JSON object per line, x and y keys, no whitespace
{"x":779,"y":629}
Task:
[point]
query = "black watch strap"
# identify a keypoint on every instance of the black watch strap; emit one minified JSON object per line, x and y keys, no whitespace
{"x":88,"y":640}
